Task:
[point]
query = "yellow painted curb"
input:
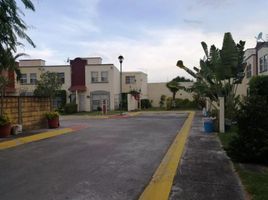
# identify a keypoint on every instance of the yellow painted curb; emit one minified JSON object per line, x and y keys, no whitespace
{"x":162,"y":180}
{"x":32,"y":138}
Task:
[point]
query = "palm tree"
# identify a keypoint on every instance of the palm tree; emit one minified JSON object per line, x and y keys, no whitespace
{"x":174,"y":87}
{"x":12,"y":25}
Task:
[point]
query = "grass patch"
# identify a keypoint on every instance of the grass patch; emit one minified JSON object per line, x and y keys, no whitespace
{"x":255,"y":180}
{"x":226,"y":137}
{"x":253,"y":177}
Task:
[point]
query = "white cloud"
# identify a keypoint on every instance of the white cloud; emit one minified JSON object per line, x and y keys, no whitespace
{"x":158,"y":55}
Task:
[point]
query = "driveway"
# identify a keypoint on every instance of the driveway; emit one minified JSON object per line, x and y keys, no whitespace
{"x":106,"y":159}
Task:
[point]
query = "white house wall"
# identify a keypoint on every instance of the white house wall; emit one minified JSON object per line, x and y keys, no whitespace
{"x":156,"y":90}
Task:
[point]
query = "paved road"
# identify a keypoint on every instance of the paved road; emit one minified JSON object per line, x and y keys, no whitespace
{"x":111,"y":159}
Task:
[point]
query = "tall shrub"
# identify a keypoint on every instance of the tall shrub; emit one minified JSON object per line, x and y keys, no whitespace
{"x":251,"y":143}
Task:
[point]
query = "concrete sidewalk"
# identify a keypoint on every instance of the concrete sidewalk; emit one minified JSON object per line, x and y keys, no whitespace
{"x":205,"y":172}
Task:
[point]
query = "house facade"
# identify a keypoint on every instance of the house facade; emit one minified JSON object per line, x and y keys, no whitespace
{"x":87,"y":81}
{"x":137,"y":81}
{"x":91,"y":84}
{"x":256,"y":65}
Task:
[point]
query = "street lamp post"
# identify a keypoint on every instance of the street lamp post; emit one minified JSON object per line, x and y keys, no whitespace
{"x":121,"y":58}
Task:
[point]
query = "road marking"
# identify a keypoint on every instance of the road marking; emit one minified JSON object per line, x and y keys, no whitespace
{"x":36,"y":137}
{"x":162,"y":180}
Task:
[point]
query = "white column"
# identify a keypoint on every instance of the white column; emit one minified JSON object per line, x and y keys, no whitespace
{"x":221,"y":120}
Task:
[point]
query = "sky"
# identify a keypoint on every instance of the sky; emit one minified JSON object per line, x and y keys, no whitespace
{"x":152,"y":35}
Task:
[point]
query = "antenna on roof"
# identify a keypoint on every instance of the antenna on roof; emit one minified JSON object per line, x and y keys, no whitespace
{"x":259,"y":37}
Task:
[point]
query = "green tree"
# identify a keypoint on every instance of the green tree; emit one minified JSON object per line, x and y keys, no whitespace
{"x":162,"y":101}
{"x":181,"y":79}
{"x":12,"y":25}
{"x":48,"y":85}
{"x":174,"y":87}
{"x":251,"y":142}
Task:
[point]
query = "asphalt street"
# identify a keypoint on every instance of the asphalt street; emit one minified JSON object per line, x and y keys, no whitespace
{"x":106,"y":159}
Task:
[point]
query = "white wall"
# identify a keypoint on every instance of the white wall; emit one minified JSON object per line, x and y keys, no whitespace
{"x":111,"y":86}
{"x":156,"y":90}
{"x":140,"y":84}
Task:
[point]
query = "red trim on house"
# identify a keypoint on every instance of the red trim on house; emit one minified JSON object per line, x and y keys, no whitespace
{"x":79,"y":88}
{"x":78,"y":77}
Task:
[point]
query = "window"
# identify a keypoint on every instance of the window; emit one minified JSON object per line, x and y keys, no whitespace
{"x":248,"y":70}
{"x":265,"y":63}
{"x":33,"y":78}
{"x":130,"y":79}
{"x":261,"y":64}
{"x":104,"y":77}
{"x":61,"y":77}
{"x":94,"y":77}
{"x":23,"y":79}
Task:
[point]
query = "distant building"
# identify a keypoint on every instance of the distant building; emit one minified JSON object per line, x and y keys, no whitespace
{"x":89,"y":83}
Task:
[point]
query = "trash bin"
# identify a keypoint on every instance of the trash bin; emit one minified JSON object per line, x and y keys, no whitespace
{"x":208,"y":125}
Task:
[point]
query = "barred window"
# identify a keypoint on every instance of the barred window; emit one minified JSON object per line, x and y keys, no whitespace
{"x":104,"y":76}
{"x":94,"y":77}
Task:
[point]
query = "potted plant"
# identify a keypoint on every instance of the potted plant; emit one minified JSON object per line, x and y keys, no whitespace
{"x":5,"y":126}
{"x":53,"y":119}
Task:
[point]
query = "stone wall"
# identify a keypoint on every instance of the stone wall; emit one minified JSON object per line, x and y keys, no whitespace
{"x":28,"y":111}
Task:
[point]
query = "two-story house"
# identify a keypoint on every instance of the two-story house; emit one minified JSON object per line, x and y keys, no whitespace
{"x":256,"y":64}
{"x":93,"y":83}
{"x":87,"y":81}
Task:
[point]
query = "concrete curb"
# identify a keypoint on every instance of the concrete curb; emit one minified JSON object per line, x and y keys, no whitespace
{"x":162,"y":180}
{"x":33,"y":138}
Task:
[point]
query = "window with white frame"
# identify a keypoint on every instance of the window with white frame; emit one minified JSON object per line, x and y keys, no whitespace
{"x":33,"y":79}
{"x":130,"y":79}
{"x":23,"y":79}
{"x":261,"y":64}
{"x":265,"y":63}
{"x":249,"y":68}
{"x":61,"y":77}
{"x":94,"y":77}
{"x":104,"y":76}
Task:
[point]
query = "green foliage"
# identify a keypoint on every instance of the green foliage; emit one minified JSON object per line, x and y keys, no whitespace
{"x":162,"y":101}
{"x":255,"y":180}
{"x":145,"y":104}
{"x":220,"y":72}
{"x":251,"y":143}
{"x":253,"y":177}
{"x":259,"y":85}
{"x":4,"y":119}
{"x":62,"y":94}
{"x":70,"y":108}
{"x":180,"y":104}
{"x":12,"y":25}
{"x":199,"y":100}
{"x":169,"y":103}
{"x":182,"y":79}
{"x":48,"y":85}
{"x":174,"y":87}
{"x":185,"y":104}
{"x":52,"y":115}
